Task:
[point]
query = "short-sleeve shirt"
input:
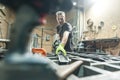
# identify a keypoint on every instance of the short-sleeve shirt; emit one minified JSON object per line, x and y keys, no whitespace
{"x":61,"y":30}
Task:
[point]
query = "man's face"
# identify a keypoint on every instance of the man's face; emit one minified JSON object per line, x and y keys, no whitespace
{"x":60,"y":19}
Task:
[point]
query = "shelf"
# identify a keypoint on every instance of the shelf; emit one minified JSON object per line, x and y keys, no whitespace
{"x":4,"y":40}
{"x":97,"y":40}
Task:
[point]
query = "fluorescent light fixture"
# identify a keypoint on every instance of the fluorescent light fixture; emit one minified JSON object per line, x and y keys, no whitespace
{"x":94,"y":1}
{"x":74,"y":3}
{"x":100,"y":7}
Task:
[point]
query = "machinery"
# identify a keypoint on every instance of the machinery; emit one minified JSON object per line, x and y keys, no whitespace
{"x":94,"y":66}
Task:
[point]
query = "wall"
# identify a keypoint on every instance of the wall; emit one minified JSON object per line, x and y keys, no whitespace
{"x":6,"y":19}
{"x":106,"y":11}
{"x":43,"y":33}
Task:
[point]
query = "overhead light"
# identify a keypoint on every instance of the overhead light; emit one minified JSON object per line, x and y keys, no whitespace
{"x":2,"y":7}
{"x":94,"y":1}
{"x":74,"y":3}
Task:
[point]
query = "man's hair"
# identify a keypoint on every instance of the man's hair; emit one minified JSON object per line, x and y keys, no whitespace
{"x":60,"y":13}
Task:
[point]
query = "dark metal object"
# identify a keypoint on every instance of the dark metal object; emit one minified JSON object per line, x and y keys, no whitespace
{"x":107,"y":76}
{"x":65,"y":70}
{"x":42,"y":38}
{"x":63,"y":59}
{"x":35,"y":41}
{"x":92,"y":68}
{"x":112,"y":76}
{"x":96,"y":56}
{"x":2,"y":12}
{"x":97,"y":69}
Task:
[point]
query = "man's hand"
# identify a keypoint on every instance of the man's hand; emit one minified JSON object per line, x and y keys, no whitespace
{"x":61,"y":48}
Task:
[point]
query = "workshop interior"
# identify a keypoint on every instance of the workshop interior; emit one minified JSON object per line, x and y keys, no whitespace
{"x":28,"y":40}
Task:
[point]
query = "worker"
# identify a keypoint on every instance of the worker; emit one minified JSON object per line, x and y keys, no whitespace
{"x":64,"y":31}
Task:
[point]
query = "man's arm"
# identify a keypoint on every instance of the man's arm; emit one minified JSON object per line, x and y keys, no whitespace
{"x":64,"y":40}
{"x":65,"y":37}
{"x":63,"y":43}
{"x":57,"y":36}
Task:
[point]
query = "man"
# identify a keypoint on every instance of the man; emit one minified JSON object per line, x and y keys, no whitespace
{"x":64,"y":32}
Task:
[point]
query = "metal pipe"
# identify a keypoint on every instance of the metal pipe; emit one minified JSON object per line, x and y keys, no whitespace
{"x":66,"y":70}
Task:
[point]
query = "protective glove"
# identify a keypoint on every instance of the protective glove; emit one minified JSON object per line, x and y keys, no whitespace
{"x":61,"y":48}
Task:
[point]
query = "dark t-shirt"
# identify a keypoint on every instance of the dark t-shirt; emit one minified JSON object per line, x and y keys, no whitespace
{"x":61,"y":30}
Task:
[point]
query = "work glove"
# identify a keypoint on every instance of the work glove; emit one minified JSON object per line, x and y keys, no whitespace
{"x":61,"y":48}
